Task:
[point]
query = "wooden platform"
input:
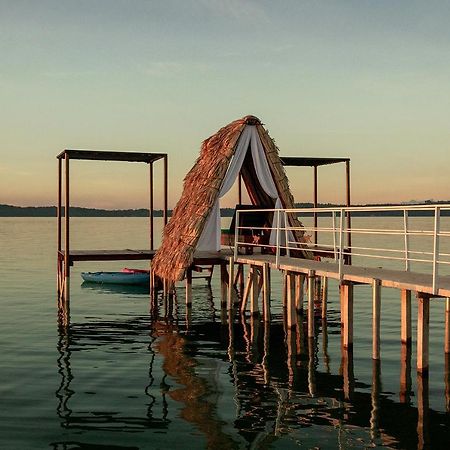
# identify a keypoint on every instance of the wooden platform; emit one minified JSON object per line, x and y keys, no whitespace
{"x":361,"y":275}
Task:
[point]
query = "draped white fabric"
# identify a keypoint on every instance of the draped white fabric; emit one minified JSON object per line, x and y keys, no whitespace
{"x":210,"y":237}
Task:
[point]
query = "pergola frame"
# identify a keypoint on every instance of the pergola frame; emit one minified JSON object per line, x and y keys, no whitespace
{"x":97,"y":155}
{"x":305,"y":161}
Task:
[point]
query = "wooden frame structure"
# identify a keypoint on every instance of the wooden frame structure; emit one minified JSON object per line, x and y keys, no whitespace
{"x":306,"y":161}
{"x":65,"y":256}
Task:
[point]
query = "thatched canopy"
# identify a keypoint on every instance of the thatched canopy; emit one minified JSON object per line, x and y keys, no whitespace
{"x":201,"y":189}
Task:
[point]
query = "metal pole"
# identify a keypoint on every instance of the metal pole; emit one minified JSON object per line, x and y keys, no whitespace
{"x":341,"y":243}
{"x":150,"y":213}
{"x":58,"y":208}
{"x":437,"y":217}
{"x":166,"y":189}
{"x":349,"y":220}
{"x":405,"y":228}
{"x":66,"y":232}
{"x":315,"y":205}
{"x":236,"y":235}
{"x":277,"y":253}
{"x":240,"y":189}
{"x":333,"y":216}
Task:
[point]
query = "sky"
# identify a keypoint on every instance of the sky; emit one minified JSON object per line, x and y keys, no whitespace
{"x":365,"y":79}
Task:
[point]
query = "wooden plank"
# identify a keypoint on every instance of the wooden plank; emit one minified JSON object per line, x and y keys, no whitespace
{"x":405,"y":316}
{"x":376,"y":318}
{"x":423,"y":331}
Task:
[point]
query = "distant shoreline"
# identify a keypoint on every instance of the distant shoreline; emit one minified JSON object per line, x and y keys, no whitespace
{"x":75,"y":211}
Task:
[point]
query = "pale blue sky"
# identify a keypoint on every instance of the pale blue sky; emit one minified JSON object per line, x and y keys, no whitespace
{"x":364,"y":79}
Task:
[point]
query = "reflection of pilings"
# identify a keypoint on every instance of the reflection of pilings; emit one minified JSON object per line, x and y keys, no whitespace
{"x":347,"y":373}
{"x":423,"y":434}
{"x":376,"y":389}
{"x":326,"y":356}
{"x":265,"y":360}
{"x":151,"y":378}
{"x":291,"y":355}
{"x":405,"y":374}
{"x":311,"y":367}
{"x":64,"y":392}
{"x":254,"y":338}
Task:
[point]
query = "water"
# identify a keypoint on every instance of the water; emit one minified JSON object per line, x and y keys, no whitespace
{"x":116,"y":379}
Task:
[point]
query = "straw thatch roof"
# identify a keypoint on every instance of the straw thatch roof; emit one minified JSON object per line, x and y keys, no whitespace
{"x":201,"y":188}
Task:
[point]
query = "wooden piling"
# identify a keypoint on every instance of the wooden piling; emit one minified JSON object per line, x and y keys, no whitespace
{"x":189,"y":288}
{"x":447,"y":327}
{"x":324,"y":297}
{"x":311,"y":290}
{"x":230,"y":283}
{"x":266,"y":291}
{"x":376,"y":318}
{"x":423,"y":331}
{"x":66,"y":232}
{"x":299,"y":289}
{"x":290,"y":306}
{"x":254,"y":309}
{"x":406,"y":316}
{"x":223,"y":286}
{"x":246,"y":293}
{"x":347,"y":308}
{"x":405,"y":374}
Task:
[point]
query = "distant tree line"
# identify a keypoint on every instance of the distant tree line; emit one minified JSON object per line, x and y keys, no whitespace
{"x":75,"y":211}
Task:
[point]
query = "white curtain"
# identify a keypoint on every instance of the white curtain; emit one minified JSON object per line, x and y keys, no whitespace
{"x":210,"y":237}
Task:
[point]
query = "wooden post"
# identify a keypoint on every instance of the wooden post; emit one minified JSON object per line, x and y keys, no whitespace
{"x":311,"y":289}
{"x":299,"y":288}
{"x":291,"y":312}
{"x":223,"y":286}
{"x":59,"y":238}
{"x":447,"y":381}
{"x":284,"y":290}
{"x":348,"y":315}
{"x":315,"y":204}
{"x":254,"y":310}
{"x":406,"y":317}
{"x":376,"y":318}
{"x":66,"y":233}
{"x":150,"y":212}
{"x":247,"y":289}
{"x":447,"y":326}
{"x":423,"y":330}
{"x":230,"y":283}
{"x":188,"y":282}
{"x":324,"y":297}
{"x":266,"y":291}
{"x":241,"y":279}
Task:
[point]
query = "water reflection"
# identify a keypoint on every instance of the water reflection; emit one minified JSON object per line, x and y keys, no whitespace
{"x":240,"y":385}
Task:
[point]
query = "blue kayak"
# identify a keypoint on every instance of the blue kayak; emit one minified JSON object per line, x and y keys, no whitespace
{"x":116,"y":277}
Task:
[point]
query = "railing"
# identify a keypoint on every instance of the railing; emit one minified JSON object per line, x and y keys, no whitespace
{"x":421,"y":223}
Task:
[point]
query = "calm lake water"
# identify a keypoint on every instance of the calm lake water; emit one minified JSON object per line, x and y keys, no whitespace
{"x":120,"y":379}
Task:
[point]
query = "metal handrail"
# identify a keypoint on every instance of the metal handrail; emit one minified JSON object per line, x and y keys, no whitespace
{"x":340,"y":233}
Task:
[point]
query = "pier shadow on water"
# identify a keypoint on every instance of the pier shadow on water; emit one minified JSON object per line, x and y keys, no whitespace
{"x":177,"y":381}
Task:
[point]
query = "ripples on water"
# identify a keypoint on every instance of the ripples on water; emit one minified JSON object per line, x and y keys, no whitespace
{"x":118,"y":378}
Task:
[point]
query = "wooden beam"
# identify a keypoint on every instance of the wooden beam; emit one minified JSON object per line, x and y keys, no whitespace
{"x":405,"y":316}
{"x":376,"y":318}
{"x":423,"y":331}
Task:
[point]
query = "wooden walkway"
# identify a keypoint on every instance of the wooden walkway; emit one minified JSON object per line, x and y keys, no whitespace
{"x":398,"y":279}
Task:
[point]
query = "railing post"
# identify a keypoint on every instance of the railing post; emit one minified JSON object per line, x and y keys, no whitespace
{"x":236,"y":235}
{"x":405,"y":228}
{"x":341,"y":243}
{"x":333,"y":216}
{"x":277,"y":252}
{"x":286,"y":233}
{"x":437,"y":217}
